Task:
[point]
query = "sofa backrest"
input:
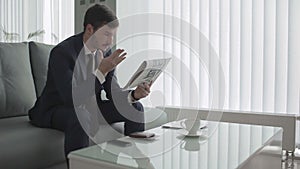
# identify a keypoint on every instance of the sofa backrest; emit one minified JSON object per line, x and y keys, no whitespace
{"x":17,"y":92}
{"x":23,"y":72}
{"x":39,"y":56}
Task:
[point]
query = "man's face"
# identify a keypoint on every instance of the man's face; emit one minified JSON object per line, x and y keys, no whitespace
{"x":103,"y":38}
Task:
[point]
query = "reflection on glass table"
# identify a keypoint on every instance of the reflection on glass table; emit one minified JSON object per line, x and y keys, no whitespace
{"x":221,"y":145}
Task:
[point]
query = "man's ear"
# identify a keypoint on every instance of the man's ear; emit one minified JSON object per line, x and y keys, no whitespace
{"x":89,"y":29}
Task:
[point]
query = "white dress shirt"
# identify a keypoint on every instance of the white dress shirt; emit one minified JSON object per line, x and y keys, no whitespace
{"x":96,"y":61}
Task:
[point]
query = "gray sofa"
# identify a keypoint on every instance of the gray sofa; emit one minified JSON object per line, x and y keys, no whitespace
{"x":23,"y":72}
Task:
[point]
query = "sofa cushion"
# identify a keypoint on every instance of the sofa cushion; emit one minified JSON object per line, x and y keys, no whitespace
{"x":39,"y":56}
{"x":17,"y":91}
{"x":25,"y":146}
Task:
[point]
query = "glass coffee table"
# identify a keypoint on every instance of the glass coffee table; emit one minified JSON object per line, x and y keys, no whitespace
{"x":219,"y":145}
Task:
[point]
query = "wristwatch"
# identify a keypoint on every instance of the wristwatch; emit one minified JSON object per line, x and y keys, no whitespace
{"x":132,"y":95}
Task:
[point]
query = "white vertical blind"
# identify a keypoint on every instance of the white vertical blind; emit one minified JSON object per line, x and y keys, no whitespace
{"x":281,"y":54}
{"x":257,"y":44}
{"x":203,"y":78}
{"x":293,"y":92}
{"x":19,"y":18}
{"x":168,"y":47}
{"x":176,"y":48}
{"x":234,"y":55}
{"x":257,"y":55}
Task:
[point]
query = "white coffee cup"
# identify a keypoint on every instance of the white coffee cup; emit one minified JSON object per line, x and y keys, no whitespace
{"x":190,"y":145}
{"x":193,"y":143}
{"x":191,"y":125}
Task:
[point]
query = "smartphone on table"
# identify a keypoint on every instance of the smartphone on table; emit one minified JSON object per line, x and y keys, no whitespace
{"x":120,"y":143}
{"x":142,"y":135}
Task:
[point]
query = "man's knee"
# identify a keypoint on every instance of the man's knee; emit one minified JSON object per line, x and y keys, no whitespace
{"x":138,"y":106}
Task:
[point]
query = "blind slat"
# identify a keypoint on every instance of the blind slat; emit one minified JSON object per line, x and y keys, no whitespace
{"x":245,"y":54}
{"x":293,"y":80}
{"x":234,"y":69}
{"x":269,"y":55}
{"x":257,"y":55}
{"x":281,"y":60}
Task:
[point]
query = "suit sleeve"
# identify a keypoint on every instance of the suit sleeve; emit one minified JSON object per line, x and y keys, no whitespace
{"x":113,"y":89}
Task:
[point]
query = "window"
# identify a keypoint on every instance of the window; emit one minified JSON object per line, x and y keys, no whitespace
{"x":251,"y":63}
{"x":48,"y":21}
{"x":256,"y":43}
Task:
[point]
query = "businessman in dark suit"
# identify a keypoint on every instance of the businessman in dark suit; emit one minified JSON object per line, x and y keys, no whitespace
{"x":79,"y":68}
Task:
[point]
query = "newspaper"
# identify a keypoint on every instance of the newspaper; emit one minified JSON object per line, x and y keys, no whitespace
{"x":148,"y":71}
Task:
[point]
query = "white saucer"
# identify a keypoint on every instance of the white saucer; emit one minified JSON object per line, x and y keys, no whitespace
{"x":186,"y":133}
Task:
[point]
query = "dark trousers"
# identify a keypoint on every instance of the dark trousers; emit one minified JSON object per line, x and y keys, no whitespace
{"x":112,"y":115}
{"x":65,"y":119}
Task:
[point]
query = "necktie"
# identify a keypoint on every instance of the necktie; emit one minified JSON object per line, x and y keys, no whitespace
{"x":90,"y":64}
{"x":91,"y":105}
{"x":98,"y":58}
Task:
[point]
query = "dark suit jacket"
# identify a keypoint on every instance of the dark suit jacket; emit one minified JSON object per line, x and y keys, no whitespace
{"x":58,"y":89}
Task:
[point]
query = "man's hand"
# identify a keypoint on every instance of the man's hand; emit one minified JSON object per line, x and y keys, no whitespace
{"x":109,"y":63}
{"x":142,"y":91}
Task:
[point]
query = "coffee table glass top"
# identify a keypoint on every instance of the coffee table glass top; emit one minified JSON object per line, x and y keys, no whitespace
{"x":220,"y":145}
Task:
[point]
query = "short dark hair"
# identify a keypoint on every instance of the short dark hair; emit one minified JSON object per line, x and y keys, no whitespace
{"x":98,"y":15}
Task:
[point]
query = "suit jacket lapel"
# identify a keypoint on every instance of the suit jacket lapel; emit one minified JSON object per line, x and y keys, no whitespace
{"x":80,"y":62}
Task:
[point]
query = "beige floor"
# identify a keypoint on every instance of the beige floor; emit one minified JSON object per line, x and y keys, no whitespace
{"x":265,"y":161}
